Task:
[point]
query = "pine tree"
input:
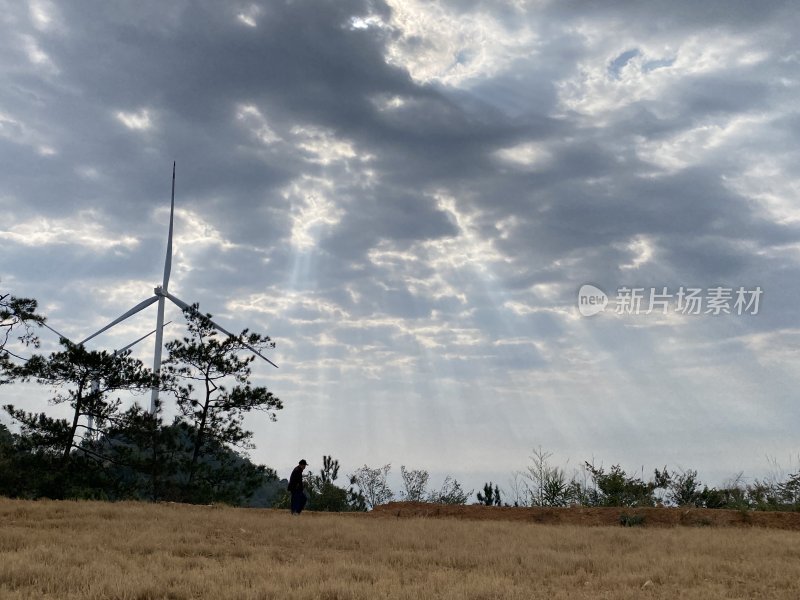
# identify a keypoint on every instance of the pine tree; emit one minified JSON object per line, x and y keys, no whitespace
{"x":210,"y":377}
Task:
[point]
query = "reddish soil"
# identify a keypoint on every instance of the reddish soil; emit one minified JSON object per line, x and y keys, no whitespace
{"x":652,"y":517}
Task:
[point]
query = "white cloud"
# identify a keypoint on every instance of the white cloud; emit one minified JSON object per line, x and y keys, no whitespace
{"x":323,"y":146}
{"x":694,"y":146}
{"x":194,"y":230}
{"x":138,"y":121}
{"x":384,"y":102}
{"x":523,"y":309}
{"x":642,"y":248}
{"x":312,"y":211}
{"x":531,"y":155}
{"x":469,"y":248}
{"x":37,"y":56}
{"x":81,"y":230}
{"x":432,"y":269}
{"x":249,"y":16}
{"x":437,"y":43}
{"x":252,"y":118}
{"x":778,"y":348}
{"x":622,"y":70}
{"x":365,"y":22}
{"x":768,"y":180}
{"x":318,"y":308}
{"x":43,"y":14}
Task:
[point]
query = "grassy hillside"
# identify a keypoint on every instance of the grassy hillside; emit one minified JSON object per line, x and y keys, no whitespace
{"x":83,"y":550}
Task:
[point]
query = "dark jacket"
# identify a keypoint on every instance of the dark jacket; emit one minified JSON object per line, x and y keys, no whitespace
{"x":296,"y":480}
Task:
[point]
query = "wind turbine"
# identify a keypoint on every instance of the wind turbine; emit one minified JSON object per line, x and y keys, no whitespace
{"x":161,"y":295}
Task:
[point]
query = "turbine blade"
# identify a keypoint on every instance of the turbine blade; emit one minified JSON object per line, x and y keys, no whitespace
{"x":130,"y":313}
{"x":144,"y":337}
{"x":60,"y":335}
{"x":185,"y":306}
{"x":168,"y":261}
{"x":180,"y":303}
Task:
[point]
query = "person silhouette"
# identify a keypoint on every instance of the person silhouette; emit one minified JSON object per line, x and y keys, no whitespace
{"x":295,"y":487}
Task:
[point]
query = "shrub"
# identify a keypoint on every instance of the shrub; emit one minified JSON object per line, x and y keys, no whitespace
{"x":627,"y":520}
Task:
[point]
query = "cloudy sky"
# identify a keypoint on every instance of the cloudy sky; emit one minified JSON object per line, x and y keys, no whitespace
{"x":407,"y":195}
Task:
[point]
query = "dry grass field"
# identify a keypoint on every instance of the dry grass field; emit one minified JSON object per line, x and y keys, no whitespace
{"x":92,"y":550}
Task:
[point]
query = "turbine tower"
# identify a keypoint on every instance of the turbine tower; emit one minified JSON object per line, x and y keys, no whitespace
{"x":96,"y":381}
{"x":161,"y":295}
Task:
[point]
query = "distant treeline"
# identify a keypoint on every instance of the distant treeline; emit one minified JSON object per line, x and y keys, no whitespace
{"x":121,"y":466}
{"x":543,"y":484}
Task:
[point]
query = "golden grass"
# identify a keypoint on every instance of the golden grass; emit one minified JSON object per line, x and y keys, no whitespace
{"x":92,"y":550}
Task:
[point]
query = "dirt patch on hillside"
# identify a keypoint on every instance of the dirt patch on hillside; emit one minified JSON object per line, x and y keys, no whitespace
{"x":648,"y":517}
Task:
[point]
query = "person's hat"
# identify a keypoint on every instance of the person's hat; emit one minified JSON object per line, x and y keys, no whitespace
{"x":303,"y":462}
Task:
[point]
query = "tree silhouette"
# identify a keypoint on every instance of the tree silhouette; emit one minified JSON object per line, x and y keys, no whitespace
{"x":490,"y":495}
{"x":415,"y":482}
{"x":372,"y":485}
{"x":16,"y":314}
{"x":200,"y":368}
{"x":83,"y":379}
